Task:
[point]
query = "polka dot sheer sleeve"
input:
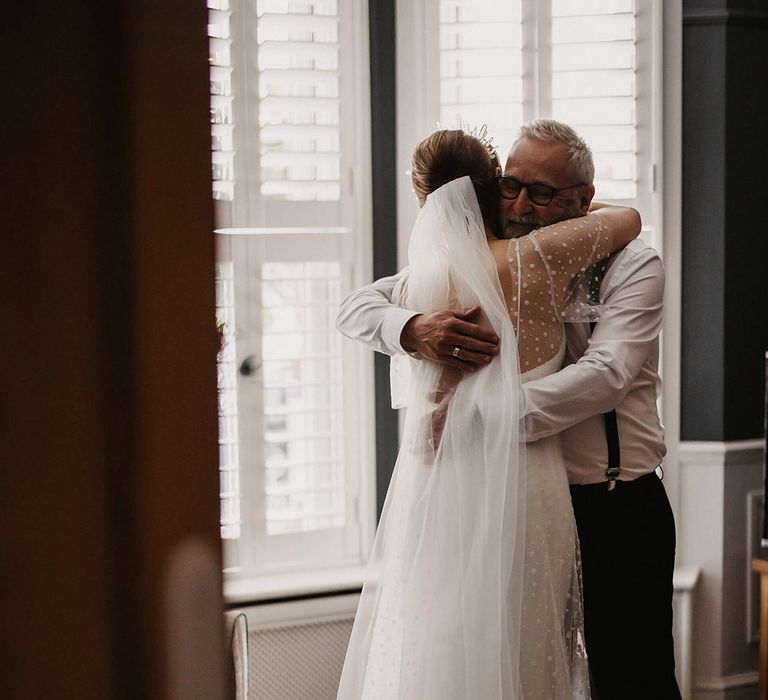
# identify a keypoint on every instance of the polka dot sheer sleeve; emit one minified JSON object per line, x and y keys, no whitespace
{"x":555,"y":275}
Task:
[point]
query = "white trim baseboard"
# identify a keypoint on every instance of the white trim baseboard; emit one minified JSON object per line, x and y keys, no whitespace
{"x":736,"y":680}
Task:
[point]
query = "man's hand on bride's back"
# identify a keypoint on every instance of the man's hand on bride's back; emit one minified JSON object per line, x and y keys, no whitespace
{"x":437,"y":336}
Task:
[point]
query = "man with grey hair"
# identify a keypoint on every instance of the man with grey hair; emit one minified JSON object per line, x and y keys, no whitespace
{"x":555,"y":141}
{"x":602,"y":404}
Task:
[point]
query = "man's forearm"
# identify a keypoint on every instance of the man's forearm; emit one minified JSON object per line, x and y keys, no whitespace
{"x":589,"y":387}
{"x":625,"y":336}
{"x":369,"y":317}
{"x":452,"y":336}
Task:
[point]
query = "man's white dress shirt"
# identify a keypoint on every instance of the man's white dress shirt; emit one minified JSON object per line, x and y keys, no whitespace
{"x":615,"y":367}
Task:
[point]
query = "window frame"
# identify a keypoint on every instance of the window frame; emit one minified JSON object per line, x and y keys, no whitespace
{"x":252,"y":230}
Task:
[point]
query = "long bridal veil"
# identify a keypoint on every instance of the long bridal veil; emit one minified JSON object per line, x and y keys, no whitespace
{"x":440,"y":612}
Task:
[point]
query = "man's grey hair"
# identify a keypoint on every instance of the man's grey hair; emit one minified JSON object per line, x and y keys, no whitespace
{"x":551,"y":130}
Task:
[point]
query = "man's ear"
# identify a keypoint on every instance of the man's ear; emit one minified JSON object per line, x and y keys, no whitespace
{"x":585,"y":198}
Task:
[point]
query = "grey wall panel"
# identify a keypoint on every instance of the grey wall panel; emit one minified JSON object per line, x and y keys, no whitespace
{"x":702,"y":371}
{"x":725,"y":323}
{"x":383,"y":158}
{"x":746,"y":290}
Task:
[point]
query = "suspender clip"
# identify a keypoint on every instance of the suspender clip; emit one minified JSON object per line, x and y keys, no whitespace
{"x":611,"y":474}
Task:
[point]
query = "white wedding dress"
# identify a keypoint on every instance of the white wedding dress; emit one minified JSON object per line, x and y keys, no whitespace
{"x":553,"y":661}
{"x":473,"y":590}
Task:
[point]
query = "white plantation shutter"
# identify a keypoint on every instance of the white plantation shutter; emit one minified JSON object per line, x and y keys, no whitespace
{"x":299,"y":105}
{"x":586,"y":63}
{"x":298,"y":424}
{"x":295,"y":444}
{"x":481,"y":65}
{"x":594,"y":62}
{"x":303,"y":397}
{"x":222,"y":120}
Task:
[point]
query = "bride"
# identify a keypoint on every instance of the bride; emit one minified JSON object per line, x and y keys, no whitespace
{"x":473,"y":589}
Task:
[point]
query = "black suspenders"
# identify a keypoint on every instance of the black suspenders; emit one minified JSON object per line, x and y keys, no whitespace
{"x":612,"y":438}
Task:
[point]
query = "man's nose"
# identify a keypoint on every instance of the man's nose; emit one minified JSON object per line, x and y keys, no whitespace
{"x":522,"y":205}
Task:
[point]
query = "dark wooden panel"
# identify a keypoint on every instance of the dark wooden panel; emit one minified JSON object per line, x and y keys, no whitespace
{"x":108,"y":409}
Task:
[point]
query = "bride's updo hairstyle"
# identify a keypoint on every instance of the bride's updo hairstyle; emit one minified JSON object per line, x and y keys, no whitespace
{"x":448,"y":155}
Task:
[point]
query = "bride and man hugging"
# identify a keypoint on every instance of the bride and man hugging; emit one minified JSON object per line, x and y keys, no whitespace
{"x":526,"y":545}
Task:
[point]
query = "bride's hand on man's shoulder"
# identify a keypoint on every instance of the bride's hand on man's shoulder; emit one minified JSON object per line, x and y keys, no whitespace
{"x":451,"y":337}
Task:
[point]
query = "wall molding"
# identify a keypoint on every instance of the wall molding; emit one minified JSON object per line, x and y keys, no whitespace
{"x":305,"y":612}
{"x":724,"y":454}
{"x":750,"y":18}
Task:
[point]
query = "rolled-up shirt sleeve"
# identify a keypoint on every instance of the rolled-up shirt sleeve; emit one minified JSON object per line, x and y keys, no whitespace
{"x":369,"y":316}
{"x":624,"y":336}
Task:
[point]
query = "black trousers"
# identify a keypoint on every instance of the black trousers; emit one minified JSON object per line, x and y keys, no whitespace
{"x":627,"y":541}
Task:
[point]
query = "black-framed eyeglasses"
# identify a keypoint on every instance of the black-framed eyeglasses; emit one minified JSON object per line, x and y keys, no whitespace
{"x":538,"y":193}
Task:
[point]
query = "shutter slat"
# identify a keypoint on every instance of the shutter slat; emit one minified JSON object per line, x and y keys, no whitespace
{"x":616,"y":54}
{"x":563,"y":8}
{"x":585,"y":30}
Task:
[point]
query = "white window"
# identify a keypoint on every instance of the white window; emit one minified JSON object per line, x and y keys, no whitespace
{"x":290,"y":132}
{"x":591,"y":64}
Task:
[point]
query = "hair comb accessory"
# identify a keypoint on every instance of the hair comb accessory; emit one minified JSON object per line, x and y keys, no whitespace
{"x":481,"y":134}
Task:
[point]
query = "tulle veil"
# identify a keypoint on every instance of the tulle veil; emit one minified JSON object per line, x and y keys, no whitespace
{"x":439,"y":615}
